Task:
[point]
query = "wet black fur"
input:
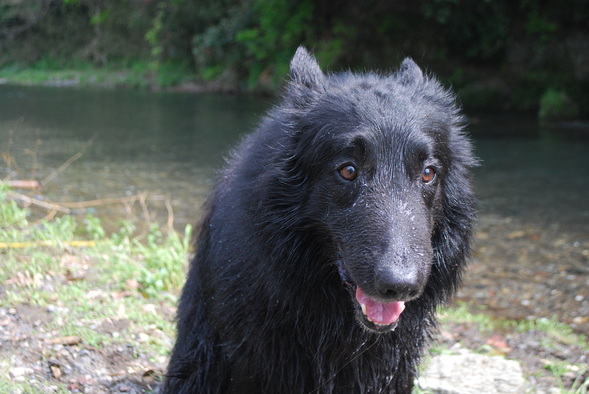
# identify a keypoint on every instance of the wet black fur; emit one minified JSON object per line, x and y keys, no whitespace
{"x":268,"y":306}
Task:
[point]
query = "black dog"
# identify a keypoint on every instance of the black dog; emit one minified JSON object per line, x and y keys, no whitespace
{"x":333,"y":234}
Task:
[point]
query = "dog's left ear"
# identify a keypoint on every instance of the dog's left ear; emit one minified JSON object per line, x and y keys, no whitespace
{"x":305,"y":71}
{"x":409,"y":73}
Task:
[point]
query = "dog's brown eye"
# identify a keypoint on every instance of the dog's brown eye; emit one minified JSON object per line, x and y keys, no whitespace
{"x":348,"y":172}
{"x":428,"y":174}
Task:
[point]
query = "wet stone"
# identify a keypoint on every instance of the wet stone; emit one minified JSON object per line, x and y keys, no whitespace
{"x":469,"y":373}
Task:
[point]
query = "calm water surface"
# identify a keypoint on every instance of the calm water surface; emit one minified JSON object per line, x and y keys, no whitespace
{"x":171,"y":143}
{"x":141,"y":142}
{"x":532,"y":247}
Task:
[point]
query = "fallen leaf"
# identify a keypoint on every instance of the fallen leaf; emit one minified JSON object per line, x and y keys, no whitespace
{"x":499,"y":342}
{"x":132,"y":284}
{"x":74,"y":276}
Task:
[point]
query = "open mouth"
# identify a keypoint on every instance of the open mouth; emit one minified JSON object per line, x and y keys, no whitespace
{"x":375,"y":315}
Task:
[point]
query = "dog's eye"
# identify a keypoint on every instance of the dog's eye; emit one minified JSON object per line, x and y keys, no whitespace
{"x":428,"y":174}
{"x":348,"y":172}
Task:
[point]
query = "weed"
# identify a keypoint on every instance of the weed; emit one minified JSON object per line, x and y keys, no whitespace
{"x":462,"y":314}
{"x":83,"y":74}
{"x":554,"y":329}
{"x":122,"y":292}
{"x":124,"y":234}
{"x":11,"y":216}
{"x":94,"y":227}
{"x":560,"y":368}
{"x":119,"y":292}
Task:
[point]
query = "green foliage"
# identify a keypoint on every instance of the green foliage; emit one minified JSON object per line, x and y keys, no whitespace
{"x":538,"y":21}
{"x":246,"y":45}
{"x":279,"y":27}
{"x":164,"y":261}
{"x":481,"y":98}
{"x":476,"y":29}
{"x":87,"y":287}
{"x":330,"y":51}
{"x":99,"y":17}
{"x":9,"y":385}
{"x":555,"y":104}
{"x":559,"y":369}
{"x":555,"y":329}
{"x":153,"y":34}
{"x":60,"y":229}
{"x":94,"y":227}
{"x":47,"y":63}
{"x":462,"y":314}
{"x":486,"y":323}
{"x":172,"y":73}
{"x":215,"y":54}
{"x":157,"y":259}
{"x":11,"y":216}
{"x":126,"y":230}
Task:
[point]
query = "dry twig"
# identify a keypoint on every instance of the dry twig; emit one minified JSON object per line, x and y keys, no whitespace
{"x":24,"y":184}
{"x":34,"y":201}
{"x":67,"y":163}
{"x":127,"y":202}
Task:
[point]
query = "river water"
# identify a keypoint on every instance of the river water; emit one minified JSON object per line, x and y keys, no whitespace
{"x":531,"y":254}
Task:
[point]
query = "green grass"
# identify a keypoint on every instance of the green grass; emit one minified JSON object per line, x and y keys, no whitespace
{"x":555,"y":330}
{"x":553,"y":334}
{"x":121,"y":280}
{"x":552,"y":328}
{"x":462,"y":314}
{"x":127,"y":281}
{"x":560,"y":368}
{"x":6,"y":386}
{"x":157,"y":260}
{"x":137,"y":75}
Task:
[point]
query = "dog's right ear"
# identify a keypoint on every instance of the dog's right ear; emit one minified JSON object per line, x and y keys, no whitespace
{"x":409,"y":73}
{"x":305,"y":72}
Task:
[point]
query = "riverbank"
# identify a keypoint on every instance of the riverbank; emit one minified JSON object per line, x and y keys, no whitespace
{"x":141,"y":76}
{"x":477,"y":95}
{"x":97,"y":316}
{"x":138,"y":76}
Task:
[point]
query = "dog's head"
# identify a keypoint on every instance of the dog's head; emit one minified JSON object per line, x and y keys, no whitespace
{"x":385,"y":166}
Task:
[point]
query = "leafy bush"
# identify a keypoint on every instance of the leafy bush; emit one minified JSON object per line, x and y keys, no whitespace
{"x":279,"y":27}
{"x":555,"y":104}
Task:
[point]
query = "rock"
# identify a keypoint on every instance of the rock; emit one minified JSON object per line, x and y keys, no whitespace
{"x":470,"y":373}
{"x":19,"y":374}
{"x":55,"y":371}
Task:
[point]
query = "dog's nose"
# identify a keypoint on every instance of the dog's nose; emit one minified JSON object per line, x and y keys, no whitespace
{"x":398,"y":286}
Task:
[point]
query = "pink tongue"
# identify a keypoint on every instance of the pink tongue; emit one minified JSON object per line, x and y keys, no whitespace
{"x":383,"y":313}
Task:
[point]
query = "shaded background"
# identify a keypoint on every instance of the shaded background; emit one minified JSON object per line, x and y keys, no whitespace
{"x":500,"y":54}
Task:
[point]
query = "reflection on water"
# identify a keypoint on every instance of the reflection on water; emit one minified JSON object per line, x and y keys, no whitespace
{"x":532,"y":244}
{"x":532,"y":173}
{"x":159,"y":143}
{"x":172,"y":143}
